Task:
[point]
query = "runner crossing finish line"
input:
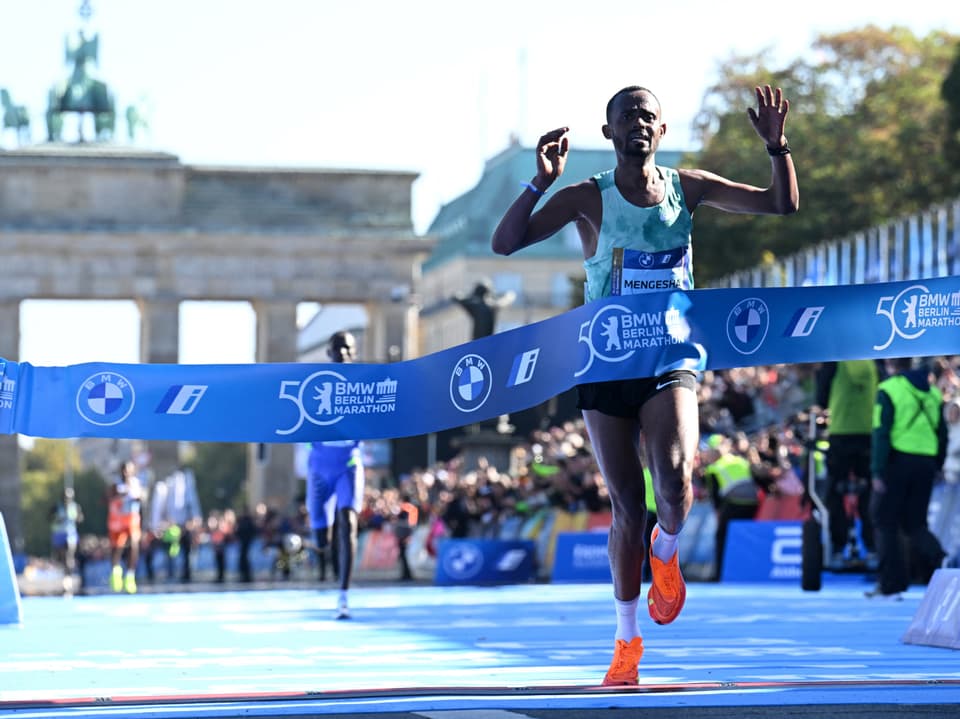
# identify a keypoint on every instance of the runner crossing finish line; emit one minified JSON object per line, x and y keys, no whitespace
{"x":619,"y":337}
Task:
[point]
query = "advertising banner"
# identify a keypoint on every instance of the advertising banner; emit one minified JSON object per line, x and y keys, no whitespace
{"x":581,"y":557}
{"x":763,"y":551}
{"x":485,"y":561}
{"x":612,"y":338}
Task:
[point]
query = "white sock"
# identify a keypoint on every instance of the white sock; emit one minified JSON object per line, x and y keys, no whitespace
{"x":627,"y":627}
{"x":665,"y":545}
{"x":343,"y":598}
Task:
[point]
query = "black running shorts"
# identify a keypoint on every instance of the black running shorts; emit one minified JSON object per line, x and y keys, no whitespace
{"x":625,"y":397}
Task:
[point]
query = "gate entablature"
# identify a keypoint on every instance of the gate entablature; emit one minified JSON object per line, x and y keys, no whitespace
{"x":89,"y":222}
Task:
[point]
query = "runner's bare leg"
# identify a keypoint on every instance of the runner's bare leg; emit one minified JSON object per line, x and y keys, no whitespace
{"x":615,"y":442}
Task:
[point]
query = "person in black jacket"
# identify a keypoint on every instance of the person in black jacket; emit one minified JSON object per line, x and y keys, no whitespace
{"x":909,"y":447}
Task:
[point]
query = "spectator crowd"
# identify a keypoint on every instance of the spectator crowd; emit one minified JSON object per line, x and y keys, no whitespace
{"x":760,"y":425}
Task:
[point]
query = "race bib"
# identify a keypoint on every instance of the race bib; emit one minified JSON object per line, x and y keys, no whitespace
{"x":635,"y":272}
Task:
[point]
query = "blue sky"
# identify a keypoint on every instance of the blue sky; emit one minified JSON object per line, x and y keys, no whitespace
{"x":425,"y":86}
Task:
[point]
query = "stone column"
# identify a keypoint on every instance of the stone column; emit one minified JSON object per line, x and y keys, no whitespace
{"x":411,"y":335}
{"x":159,"y":344}
{"x":392,"y":332}
{"x":10,"y":481}
{"x":374,"y":335}
{"x":270,"y":475}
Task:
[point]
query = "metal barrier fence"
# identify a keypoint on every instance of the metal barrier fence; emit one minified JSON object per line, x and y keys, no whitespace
{"x":915,"y":247}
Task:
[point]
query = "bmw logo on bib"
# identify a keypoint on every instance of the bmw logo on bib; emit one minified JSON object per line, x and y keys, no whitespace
{"x":105,"y":399}
{"x":470,"y":383}
{"x":747,"y":325}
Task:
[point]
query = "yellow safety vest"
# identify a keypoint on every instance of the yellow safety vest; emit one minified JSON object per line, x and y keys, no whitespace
{"x":916,"y":416}
{"x":734,"y":479}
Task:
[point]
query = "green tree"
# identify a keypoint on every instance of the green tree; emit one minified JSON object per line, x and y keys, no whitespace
{"x":90,"y":491}
{"x":44,"y":478}
{"x":38,"y":497}
{"x":950,"y":92}
{"x":221,"y":471}
{"x":868,"y":129}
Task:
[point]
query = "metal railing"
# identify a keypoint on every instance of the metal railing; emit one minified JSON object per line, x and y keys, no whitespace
{"x":914,"y":247}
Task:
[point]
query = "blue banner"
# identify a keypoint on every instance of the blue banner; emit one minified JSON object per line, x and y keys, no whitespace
{"x":762,"y":551}
{"x":612,"y":338}
{"x":485,"y":561}
{"x":581,"y":557}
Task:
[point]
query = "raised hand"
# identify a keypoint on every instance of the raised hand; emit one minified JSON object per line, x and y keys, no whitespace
{"x":769,"y":117}
{"x":552,"y":156}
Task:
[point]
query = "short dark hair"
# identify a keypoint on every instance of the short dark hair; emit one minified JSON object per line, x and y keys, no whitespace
{"x":901,"y":363}
{"x":629,"y":88}
{"x":342,"y":338}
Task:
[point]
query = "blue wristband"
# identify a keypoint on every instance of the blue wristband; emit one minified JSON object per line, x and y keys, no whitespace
{"x":533,"y":188}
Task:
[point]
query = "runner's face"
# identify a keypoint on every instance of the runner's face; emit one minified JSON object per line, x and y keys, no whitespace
{"x":634,"y":124}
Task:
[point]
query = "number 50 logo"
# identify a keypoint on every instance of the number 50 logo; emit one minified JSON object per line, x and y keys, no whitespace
{"x":313,"y":398}
{"x":901,"y":312}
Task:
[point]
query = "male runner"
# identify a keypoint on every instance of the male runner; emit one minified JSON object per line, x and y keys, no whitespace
{"x":123,"y":527}
{"x":646,"y":210}
{"x":335,"y":481}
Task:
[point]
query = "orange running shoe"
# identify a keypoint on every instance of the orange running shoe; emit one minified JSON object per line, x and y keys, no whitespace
{"x":667,"y":591}
{"x":623,"y":668}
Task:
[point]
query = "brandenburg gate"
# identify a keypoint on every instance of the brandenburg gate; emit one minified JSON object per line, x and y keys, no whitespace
{"x":95,"y":221}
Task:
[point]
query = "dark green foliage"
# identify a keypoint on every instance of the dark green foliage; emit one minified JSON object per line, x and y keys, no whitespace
{"x":868,"y":128}
{"x":44,"y":478}
{"x":950,"y":92}
{"x":221,"y":471}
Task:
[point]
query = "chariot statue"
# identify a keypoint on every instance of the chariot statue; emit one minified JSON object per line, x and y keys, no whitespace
{"x":82,"y":92}
{"x":15,"y":117}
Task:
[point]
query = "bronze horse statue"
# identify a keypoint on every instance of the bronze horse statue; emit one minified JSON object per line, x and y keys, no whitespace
{"x":15,"y":117}
{"x":81,"y":93}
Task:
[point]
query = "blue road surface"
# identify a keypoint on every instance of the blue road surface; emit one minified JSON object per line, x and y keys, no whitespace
{"x":512,"y":651}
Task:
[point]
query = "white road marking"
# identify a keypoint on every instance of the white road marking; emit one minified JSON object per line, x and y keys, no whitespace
{"x":474,"y":714}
